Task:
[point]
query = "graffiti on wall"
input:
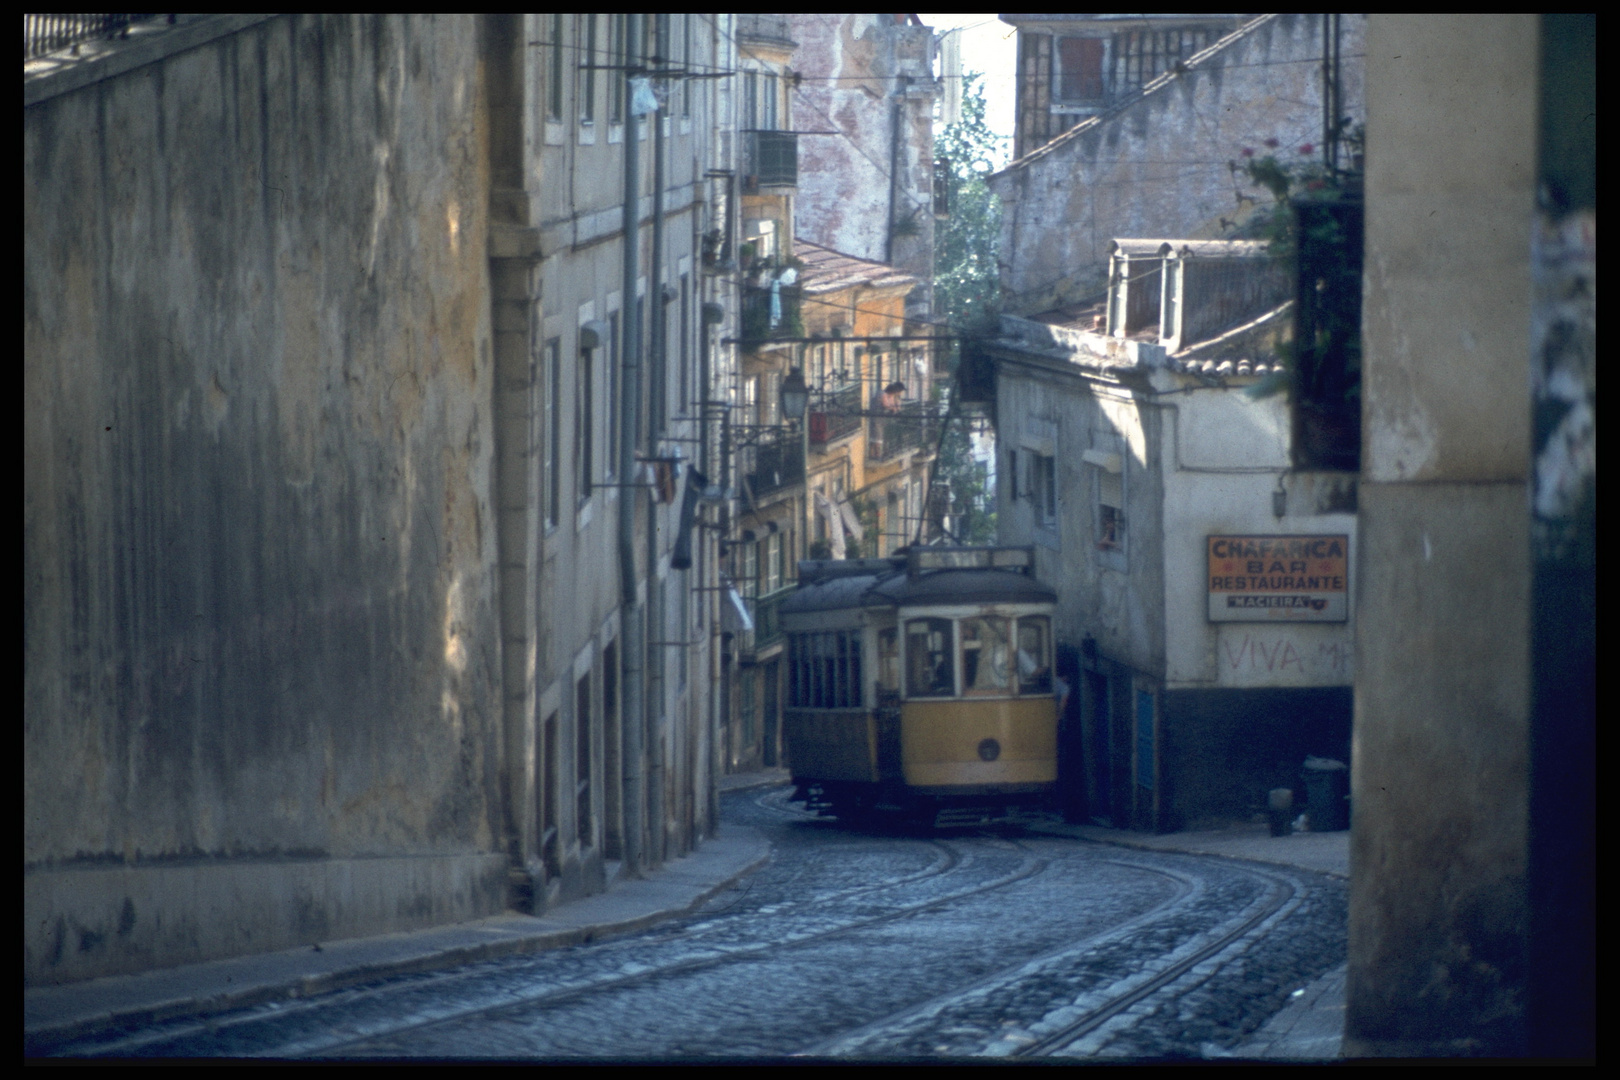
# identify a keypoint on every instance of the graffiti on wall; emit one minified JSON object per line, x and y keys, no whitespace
{"x":1260,"y":654}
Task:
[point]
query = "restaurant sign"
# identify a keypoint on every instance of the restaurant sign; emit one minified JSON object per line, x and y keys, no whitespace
{"x":1278,"y":578}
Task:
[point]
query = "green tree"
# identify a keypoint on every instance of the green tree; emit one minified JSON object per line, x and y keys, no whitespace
{"x":967,"y":297}
{"x":967,"y":283}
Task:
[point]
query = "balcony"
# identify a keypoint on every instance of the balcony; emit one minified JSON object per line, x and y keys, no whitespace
{"x":765,"y":30}
{"x":835,"y":415}
{"x":770,"y":159}
{"x":913,"y":428}
{"x":760,"y":323}
{"x":772,"y":466}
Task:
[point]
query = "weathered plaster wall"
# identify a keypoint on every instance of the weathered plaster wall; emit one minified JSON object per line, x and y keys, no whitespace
{"x":1120,"y":601}
{"x":855,"y":69}
{"x":261,"y":651}
{"x":1159,"y":165}
{"x":1438,"y":902}
{"x":1223,"y":456}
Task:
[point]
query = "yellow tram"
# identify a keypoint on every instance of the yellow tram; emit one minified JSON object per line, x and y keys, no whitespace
{"x":922,"y":684}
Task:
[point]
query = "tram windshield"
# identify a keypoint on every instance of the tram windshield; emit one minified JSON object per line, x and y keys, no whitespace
{"x":1034,"y":655}
{"x":985,"y":651}
{"x":929,"y":671}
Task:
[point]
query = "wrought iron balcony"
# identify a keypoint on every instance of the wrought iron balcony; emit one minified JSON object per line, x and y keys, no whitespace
{"x":770,"y":159}
{"x":835,"y":415}
{"x":915,"y":427}
{"x":757,"y":323}
{"x":774,"y":465}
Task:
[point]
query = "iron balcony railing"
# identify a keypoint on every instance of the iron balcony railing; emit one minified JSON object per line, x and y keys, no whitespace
{"x":770,"y":159}
{"x":836,"y":415}
{"x":47,"y":33}
{"x":775,"y":465}
{"x":766,"y":28}
{"x":761,"y":321}
{"x":915,"y":427}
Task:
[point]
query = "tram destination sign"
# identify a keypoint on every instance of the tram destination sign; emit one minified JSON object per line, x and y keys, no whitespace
{"x":1278,"y":578}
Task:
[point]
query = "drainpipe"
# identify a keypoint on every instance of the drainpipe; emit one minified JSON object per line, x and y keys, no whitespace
{"x":632,"y":721}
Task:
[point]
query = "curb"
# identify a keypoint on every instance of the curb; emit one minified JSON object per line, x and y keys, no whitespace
{"x":1137,"y":845}
{"x":513,"y":940}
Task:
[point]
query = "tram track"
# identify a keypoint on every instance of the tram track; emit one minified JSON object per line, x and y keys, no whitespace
{"x":947,"y":858}
{"x":1067,"y":1034}
{"x":1065,"y":1026}
{"x":1120,"y":979}
{"x":1028,"y":867}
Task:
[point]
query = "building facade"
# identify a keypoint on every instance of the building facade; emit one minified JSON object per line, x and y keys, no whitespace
{"x":371,"y":604}
{"x":1073,"y":67}
{"x":1166,"y":157}
{"x":865,"y":97}
{"x":1204,"y":581}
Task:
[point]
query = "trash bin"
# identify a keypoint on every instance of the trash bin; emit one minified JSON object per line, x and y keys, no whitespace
{"x":1327,"y":794}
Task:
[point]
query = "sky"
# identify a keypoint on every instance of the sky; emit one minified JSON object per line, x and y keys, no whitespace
{"x":988,"y":46}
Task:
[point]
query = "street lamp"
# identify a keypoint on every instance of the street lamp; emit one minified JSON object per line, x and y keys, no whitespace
{"x":795,"y":395}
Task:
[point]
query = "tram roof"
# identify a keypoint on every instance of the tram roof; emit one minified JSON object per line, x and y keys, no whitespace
{"x":832,"y":594}
{"x":965,"y":587}
{"x":891,"y":586}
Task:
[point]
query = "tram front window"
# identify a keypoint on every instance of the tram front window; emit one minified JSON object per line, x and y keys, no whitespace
{"x":985,"y":655}
{"x":1034,"y":656}
{"x":929,"y":671}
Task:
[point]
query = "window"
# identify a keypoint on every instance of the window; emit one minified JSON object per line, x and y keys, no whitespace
{"x":747,"y":569}
{"x":615,"y":360}
{"x":825,"y":670}
{"x":1043,"y":488}
{"x":685,"y":349}
{"x":1079,"y":69}
{"x":1110,"y":511}
{"x":553,"y":443}
{"x":772,"y":91}
{"x":985,"y":650}
{"x":584,"y":422}
{"x":582,"y":754}
{"x":772,"y":562}
{"x":929,"y":670}
{"x":550,"y":848}
{"x":620,"y":56}
{"x":686,"y":62}
{"x":554,"y":81}
{"x":1034,"y":655}
{"x":587,"y":70}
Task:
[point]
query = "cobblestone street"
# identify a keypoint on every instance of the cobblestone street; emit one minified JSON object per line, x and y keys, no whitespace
{"x":861,"y":944}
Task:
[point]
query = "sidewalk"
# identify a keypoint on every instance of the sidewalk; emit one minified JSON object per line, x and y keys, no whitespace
{"x":55,"y":1014}
{"x":1324,"y":853}
{"x":1310,"y":1028}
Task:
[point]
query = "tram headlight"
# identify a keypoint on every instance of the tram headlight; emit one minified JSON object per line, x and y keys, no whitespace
{"x":989,"y":750}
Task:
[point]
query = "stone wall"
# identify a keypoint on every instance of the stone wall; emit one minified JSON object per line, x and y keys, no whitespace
{"x":1438,"y":901}
{"x":261,"y":649}
{"x":1168,"y":163}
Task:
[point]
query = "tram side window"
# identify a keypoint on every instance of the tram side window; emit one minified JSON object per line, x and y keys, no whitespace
{"x":929,"y":671}
{"x":1034,"y":655}
{"x":985,"y":652}
{"x":825,"y":671}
